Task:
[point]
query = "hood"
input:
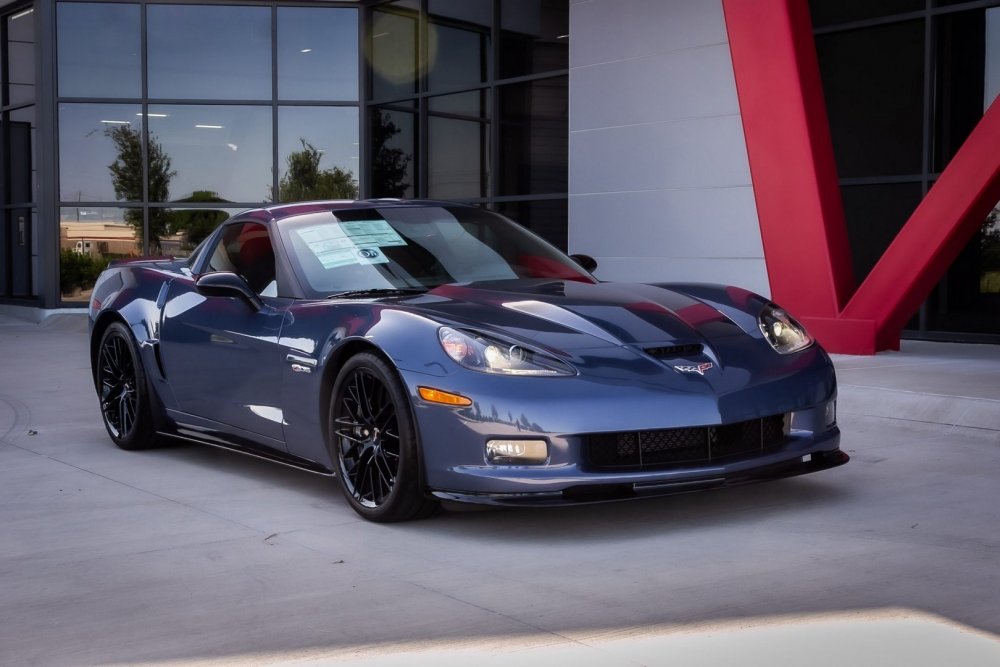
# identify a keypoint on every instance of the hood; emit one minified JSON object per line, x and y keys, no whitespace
{"x":555,"y":312}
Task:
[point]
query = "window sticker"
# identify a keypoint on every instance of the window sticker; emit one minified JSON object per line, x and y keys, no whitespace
{"x":372,"y":232}
{"x":356,"y":242}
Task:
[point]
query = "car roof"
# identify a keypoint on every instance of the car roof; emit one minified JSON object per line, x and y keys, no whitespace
{"x":281,"y":211}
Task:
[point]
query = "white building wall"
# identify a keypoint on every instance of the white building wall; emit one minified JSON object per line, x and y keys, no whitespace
{"x":659,"y":183}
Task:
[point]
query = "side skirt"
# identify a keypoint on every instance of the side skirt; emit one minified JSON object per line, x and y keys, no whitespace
{"x":273,"y":457}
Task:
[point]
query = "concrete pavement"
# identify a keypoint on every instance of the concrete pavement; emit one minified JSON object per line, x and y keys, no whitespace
{"x":189,"y":555}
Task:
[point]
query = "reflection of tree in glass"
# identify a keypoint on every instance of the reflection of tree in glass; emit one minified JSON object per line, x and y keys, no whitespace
{"x":305,"y":181}
{"x":194,"y":225}
{"x":389,"y":165}
{"x":126,"y":177}
{"x":989,"y":281}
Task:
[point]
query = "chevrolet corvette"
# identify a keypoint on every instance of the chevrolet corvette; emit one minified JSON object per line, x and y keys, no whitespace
{"x":427,"y":351}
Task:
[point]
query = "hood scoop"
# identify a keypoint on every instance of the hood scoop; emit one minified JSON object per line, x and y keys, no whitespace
{"x":674,"y":351}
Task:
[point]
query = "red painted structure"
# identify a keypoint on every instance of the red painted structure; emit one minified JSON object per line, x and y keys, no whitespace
{"x":798,"y":197}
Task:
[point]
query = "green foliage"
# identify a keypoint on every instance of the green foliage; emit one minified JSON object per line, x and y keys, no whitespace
{"x":196,"y":224}
{"x":126,"y":177}
{"x":989,"y":260}
{"x":78,"y":270}
{"x":990,"y":242}
{"x":305,"y":181}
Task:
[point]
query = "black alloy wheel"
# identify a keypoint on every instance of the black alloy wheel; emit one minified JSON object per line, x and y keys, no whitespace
{"x":374,"y":442}
{"x":121,"y":387}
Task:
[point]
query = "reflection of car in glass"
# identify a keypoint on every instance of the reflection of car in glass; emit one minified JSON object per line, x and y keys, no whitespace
{"x":428,"y":351}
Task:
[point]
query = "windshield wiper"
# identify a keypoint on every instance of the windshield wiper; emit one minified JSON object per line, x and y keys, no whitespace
{"x":377,"y":291}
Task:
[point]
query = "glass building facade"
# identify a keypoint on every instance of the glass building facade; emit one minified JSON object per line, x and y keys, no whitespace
{"x":161,"y":119}
{"x":19,"y":248}
{"x":468,"y":101}
{"x":132,"y":127}
{"x":171,"y":117}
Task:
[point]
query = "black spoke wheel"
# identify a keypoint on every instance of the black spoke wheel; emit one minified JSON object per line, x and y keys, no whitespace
{"x":121,"y":388}
{"x":373,"y":441}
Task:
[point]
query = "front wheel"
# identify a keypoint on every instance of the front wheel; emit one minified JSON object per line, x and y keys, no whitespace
{"x":374,"y":442}
{"x":121,"y":388}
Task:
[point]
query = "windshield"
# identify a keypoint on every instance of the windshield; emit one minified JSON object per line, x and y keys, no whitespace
{"x":419,"y":247}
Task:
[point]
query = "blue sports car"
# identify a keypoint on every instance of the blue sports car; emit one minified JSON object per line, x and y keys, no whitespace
{"x":425,"y":351}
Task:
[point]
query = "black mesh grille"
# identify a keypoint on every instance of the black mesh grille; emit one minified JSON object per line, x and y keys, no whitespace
{"x":641,"y":450}
{"x":672,"y":351}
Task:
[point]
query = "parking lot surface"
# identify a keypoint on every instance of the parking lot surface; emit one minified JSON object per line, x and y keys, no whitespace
{"x":191,"y":555}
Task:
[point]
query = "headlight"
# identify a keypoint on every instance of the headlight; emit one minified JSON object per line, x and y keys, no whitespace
{"x":780,"y":330}
{"x":487,"y":354}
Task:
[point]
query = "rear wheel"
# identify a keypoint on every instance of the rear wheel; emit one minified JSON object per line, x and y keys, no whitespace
{"x":374,"y":443}
{"x":121,"y":388}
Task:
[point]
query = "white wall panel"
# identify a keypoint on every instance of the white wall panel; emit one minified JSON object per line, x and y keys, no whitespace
{"x":677,"y":223}
{"x":606,"y":30}
{"x":659,"y":180}
{"x":645,"y":90}
{"x":691,"y":153}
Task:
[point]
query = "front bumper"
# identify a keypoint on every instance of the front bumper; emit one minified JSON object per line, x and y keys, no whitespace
{"x":595,"y":491}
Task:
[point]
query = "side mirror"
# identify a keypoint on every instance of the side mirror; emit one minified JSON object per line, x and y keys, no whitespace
{"x":226,"y":283}
{"x":588,"y":263}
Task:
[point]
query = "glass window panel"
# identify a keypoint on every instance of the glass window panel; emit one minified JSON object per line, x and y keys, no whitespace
{"x":20,"y":145}
{"x":92,"y":138}
{"x":185,"y":228}
{"x":20,"y":227}
{"x":873,"y":85}
{"x":21,"y":57}
{"x":458,"y":43}
{"x":99,"y":50}
{"x":534,"y":36}
{"x":829,"y":12}
{"x":3,"y":152}
{"x":547,"y":218}
{"x":21,"y":26}
{"x":534,"y":137}
{"x":961,"y":60}
{"x":875,"y":214}
{"x":5,"y":252}
{"x":989,"y":255}
{"x":394,"y":54}
{"x":209,"y":52}
{"x":967,"y":300}
{"x":458,"y":146}
{"x":393,"y":153}
{"x":224,"y":150}
{"x":90,"y":237}
{"x":317,"y":53}
{"x":992,"y":56}
{"x":478,"y":14}
{"x":318,"y":153}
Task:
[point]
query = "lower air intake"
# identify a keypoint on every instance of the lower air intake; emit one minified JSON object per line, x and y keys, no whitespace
{"x":645,"y":450}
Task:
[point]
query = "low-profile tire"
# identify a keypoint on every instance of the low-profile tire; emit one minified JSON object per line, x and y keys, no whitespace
{"x":122,"y":390}
{"x":374,"y":443}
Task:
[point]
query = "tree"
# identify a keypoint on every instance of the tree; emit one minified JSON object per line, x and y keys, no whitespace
{"x":126,"y":177}
{"x":989,"y":248}
{"x":389,"y":165}
{"x":196,"y":224}
{"x":304,"y":180}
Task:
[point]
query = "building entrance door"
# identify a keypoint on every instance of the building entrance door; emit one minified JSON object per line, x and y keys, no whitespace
{"x":17,"y":241}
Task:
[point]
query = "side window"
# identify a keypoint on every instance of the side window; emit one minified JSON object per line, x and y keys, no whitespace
{"x":245,"y":249}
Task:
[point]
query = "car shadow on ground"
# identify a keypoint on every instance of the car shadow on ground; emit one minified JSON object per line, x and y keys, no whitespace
{"x":617,"y":520}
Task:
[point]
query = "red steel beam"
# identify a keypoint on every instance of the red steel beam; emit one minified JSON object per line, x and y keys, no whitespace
{"x":798,"y":199}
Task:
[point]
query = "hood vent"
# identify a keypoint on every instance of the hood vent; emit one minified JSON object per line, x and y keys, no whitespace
{"x":674,"y":351}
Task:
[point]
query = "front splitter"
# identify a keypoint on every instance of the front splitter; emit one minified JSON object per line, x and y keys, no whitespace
{"x":602,"y":493}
